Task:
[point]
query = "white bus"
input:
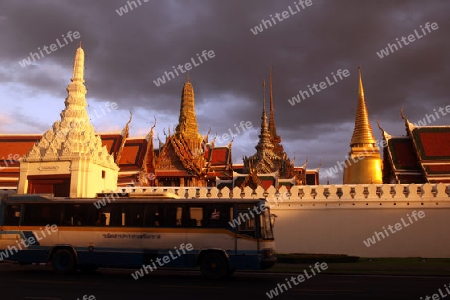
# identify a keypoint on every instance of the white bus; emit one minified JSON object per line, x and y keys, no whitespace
{"x":135,"y":230}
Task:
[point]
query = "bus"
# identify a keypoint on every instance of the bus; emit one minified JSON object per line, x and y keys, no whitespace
{"x":218,"y":236}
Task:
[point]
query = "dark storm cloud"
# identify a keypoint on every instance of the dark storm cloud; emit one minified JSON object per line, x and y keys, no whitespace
{"x":125,"y":54}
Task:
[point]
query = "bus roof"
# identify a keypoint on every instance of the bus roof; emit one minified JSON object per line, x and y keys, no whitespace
{"x":128,"y":198}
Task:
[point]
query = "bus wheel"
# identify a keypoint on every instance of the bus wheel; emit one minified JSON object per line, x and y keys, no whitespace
{"x":63,"y":262}
{"x":214,"y":265}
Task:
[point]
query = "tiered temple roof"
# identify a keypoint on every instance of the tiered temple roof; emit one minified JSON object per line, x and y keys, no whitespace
{"x":265,"y":160}
{"x":423,"y":155}
{"x":186,"y":158}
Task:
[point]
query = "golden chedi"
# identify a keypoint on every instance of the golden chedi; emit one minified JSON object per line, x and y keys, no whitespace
{"x":364,"y":162}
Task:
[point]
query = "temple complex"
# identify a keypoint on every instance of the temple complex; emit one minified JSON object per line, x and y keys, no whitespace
{"x":72,"y":160}
{"x":364,"y":162}
{"x":63,"y":159}
{"x":421,"y":156}
{"x":69,"y":160}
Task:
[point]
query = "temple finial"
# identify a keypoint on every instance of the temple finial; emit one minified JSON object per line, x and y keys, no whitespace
{"x":131,"y":118}
{"x":264,"y":97}
{"x":264,"y":137}
{"x":362,"y":134}
{"x":379,"y":126}
{"x":272,"y":128}
{"x":360,"y":85}
{"x":188,"y":77}
{"x":78,"y":65}
{"x":402,"y":114}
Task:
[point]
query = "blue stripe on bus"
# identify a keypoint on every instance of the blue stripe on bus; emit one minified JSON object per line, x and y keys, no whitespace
{"x":135,"y":259}
{"x":131,"y":257}
{"x":30,"y":234}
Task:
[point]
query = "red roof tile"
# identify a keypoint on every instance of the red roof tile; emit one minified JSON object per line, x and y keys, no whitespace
{"x":133,"y":154}
{"x":220,"y":156}
{"x":432,"y":142}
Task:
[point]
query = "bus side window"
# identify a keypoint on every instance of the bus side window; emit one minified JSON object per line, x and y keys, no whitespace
{"x":42,"y":214}
{"x":247,"y":220}
{"x":12,"y":217}
{"x":103,"y":216}
{"x":173,"y":215}
{"x":215,"y":215}
{"x":134,"y":215}
{"x":117,"y":218}
{"x":195,"y":216}
{"x":57,"y":214}
{"x":89,"y":214}
{"x":101,"y":219}
{"x":72,"y":215}
{"x":231,"y":216}
{"x":152,"y":216}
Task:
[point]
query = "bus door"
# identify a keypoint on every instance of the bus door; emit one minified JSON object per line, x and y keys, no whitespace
{"x":166,"y":227}
{"x":246,"y":237}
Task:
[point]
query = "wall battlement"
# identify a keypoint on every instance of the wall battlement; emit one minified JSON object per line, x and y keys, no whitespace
{"x":358,"y":195}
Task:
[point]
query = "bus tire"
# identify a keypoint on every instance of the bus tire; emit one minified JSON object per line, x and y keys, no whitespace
{"x":214,"y":265}
{"x":63,"y":262}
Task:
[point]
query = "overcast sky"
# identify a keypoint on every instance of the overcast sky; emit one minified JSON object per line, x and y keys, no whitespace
{"x":126,"y":54}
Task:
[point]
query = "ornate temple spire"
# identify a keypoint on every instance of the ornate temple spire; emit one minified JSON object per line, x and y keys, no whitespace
{"x":76,"y":100}
{"x":274,"y":137}
{"x":272,"y":128}
{"x":73,"y":135}
{"x":362,"y":134}
{"x":364,"y":152}
{"x":264,"y":114}
{"x":187,"y":124}
{"x":264,"y":137}
{"x":78,"y":65}
{"x":265,"y":160}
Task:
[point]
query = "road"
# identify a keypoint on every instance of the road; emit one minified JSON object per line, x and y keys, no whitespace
{"x":40,"y":283}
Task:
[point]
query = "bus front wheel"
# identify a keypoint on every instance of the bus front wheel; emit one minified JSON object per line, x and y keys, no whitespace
{"x":63,"y":262}
{"x":214,"y":265}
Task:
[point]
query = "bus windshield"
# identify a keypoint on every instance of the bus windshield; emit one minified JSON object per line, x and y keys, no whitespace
{"x":266,"y":226}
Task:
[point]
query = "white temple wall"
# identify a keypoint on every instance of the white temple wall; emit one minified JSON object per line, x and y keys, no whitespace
{"x":314,"y":219}
{"x":343,"y":230}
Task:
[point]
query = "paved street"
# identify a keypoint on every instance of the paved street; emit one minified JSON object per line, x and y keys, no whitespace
{"x":39,"y":283}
